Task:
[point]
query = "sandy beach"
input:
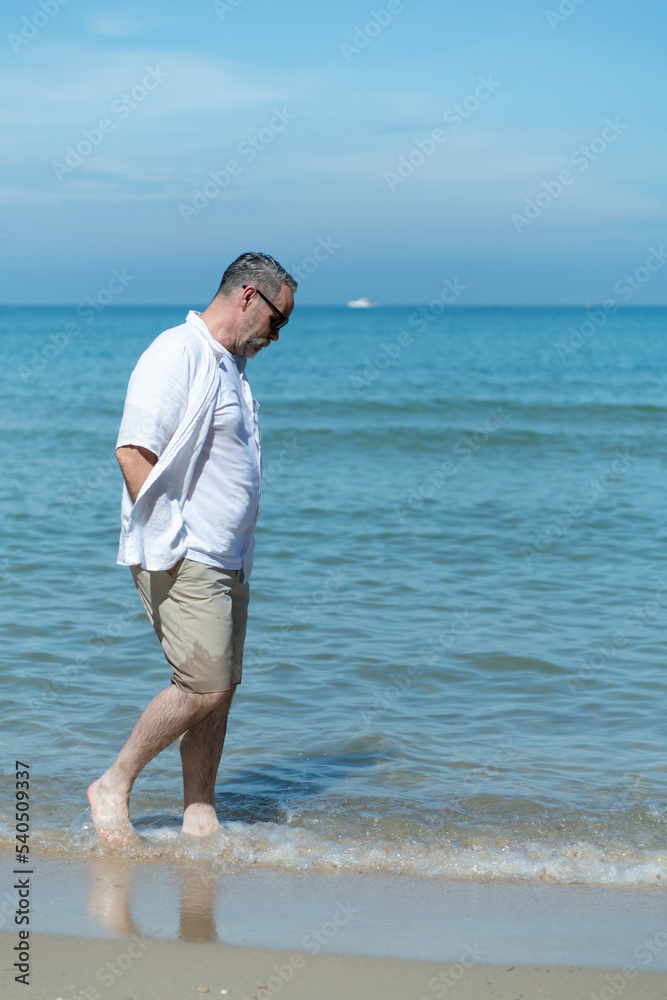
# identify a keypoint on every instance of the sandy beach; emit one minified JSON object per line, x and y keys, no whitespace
{"x":110,"y":928}
{"x":77,"y":968}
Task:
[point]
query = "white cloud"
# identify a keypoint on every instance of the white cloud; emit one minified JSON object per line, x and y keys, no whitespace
{"x":64,"y":88}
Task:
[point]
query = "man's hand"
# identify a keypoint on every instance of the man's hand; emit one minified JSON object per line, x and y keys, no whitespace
{"x":135,"y":464}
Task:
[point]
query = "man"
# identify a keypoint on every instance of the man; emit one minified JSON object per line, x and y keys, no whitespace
{"x":189,"y":449}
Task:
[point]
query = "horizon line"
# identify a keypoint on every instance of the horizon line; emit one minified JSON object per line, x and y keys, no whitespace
{"x":344,"y":305}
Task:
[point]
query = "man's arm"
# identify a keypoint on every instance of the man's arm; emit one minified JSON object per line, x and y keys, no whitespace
{"x":135,"y":464}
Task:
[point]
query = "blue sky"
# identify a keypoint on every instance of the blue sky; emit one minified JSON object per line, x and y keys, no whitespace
{"x":329,"y":111}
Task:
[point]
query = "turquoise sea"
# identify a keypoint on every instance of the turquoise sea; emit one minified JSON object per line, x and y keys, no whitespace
{"x":455,"y":662}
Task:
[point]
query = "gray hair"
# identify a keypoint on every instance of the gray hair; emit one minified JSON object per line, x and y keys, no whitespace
{"x":257,"y":269}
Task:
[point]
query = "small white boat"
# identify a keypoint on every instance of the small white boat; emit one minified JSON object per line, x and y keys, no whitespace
{"x":362,"y":304}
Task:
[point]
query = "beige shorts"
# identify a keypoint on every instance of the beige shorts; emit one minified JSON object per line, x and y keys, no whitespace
{"x":199,"y":613}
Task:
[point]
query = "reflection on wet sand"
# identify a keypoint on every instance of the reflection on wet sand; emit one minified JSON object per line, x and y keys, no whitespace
{"x":197,"y":922}
{"x":111,"y":895}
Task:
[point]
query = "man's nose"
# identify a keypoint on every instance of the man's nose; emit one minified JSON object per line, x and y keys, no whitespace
{"x":274,"y":334}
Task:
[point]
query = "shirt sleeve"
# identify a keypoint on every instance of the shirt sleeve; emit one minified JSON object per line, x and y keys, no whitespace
{"x":157,"y":396}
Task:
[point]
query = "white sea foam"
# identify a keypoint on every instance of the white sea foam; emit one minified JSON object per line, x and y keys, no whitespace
{"x":239,"y":845}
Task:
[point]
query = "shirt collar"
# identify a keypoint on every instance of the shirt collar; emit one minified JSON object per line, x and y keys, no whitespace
{"x":217,"y":348}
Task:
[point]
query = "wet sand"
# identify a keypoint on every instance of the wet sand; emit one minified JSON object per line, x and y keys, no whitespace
{"x":104,"y":927}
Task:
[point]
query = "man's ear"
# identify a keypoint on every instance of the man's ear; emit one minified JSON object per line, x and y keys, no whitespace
{"x":247,"y":295}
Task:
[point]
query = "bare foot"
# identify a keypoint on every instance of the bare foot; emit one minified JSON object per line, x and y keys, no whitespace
{"x":111,"y":814}
{"x":200,"y":820}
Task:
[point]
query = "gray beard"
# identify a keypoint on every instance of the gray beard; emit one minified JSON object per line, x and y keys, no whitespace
{"x":253,"y":346}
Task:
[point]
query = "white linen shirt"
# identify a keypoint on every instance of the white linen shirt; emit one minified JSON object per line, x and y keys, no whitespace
{"x":170,"y":403}
{"x":221,"y":508}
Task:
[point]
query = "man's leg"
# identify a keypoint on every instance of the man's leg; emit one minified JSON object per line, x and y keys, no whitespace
{"x":201,"y":749}
{"x":168,"y":715}
{"x":201,"y":746}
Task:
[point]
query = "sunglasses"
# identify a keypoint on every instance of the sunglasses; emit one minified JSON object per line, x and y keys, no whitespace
{"x":276,"y":324}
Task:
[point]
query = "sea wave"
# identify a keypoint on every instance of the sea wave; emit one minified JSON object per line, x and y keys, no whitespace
{"x":237,"y":846}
